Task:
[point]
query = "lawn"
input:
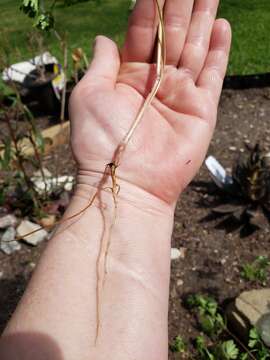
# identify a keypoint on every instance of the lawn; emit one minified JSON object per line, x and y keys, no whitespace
{"x":250,"y":21}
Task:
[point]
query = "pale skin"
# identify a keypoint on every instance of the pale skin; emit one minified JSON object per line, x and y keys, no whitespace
{"x":57,"y":316}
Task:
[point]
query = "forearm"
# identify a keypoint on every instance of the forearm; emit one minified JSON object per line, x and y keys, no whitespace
{"x":61,"y":300}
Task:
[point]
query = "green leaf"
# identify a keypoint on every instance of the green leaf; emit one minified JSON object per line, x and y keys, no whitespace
{"x":253,"y":334}
{"x":202,"y":349}
{"x":244,"y":356}
{"x":5,"y":160}
{"x":207,"y":324}
{"x":40,"y":142}
{"x":30,"y":7}
{"x":178,"y":345}
{"x":252,"y":343}
{"x":230,"y":350}
{"x":45,"y":21}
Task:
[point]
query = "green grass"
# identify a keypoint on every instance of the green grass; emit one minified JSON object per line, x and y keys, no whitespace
{"x":81,"y":22}
{"x":250,"y":21}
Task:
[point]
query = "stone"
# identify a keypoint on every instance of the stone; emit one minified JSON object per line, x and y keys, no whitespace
{"x":251,"y":308}
{"x":52,"y":183}
{"x":46,"y":173}
{"x":48,"y":221}
{"x":183,"y":252}
{"x":8,"y":244}
{"x":180,"y":282}
{"x":175,"y":254}
{"x":263,"y":326}
{"x":27,"y":227}
{"x":7,"y":221}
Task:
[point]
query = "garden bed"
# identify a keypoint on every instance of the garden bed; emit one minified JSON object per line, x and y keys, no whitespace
{"x":213,"y":258}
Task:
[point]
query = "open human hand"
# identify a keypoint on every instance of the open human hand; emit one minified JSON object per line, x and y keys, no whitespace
{"x":170,"y":143}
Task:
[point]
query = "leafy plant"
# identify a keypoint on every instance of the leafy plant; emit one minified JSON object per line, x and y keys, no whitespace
{"x":257,"y":345}
{"x":44,"y":21}
{"x":206,"y":308}
{"x":202,"y":349}
{"x":226,"y":350}
{"x":178,"y":345}
{"x":17,"y":190}
{"x":247,"y":198}
{"x":43,"y":11}
{"x":223,"y":350}
{"x":30,"y":7}
{"x":257,"y":270}
{"x":223,"y":343}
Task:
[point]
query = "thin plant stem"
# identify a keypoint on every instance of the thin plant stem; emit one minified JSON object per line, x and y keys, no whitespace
{"x":32,"y":131}
{"x":161,"y":61}
{"x":63,"y":97}
{"x":240,"y":343}
{"x":20,"y":158}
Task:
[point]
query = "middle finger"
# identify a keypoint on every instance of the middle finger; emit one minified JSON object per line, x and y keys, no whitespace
{"x":177,"y":14}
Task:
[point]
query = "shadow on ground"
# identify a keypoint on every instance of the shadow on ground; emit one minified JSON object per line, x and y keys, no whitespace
{"x":11,"y":291}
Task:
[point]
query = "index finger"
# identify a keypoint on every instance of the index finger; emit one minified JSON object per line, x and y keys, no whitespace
{"x":142,"y":30}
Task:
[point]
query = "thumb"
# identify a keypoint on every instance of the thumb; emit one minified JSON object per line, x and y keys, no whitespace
{"x":104,"y":68}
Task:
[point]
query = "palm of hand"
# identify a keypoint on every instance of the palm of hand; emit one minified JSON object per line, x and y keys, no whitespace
{"x":170,"y":143}
{"x":163,"y":155}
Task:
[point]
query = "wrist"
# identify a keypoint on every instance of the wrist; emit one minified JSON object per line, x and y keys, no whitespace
{"x":126,"y":193}
{"x":94,"y":207}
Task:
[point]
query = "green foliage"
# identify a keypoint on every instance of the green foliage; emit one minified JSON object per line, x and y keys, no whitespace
{"x":226,"y":350}
{"x":250,"y":26}
{"x":43,"y":12}
{"x":45,"y":21}
{"x":222,"y":346}
{"x":222,"y":350}
{"x":206,"y":308}
{"x":178,"y":345}
{"x":202,"y":349}
{"x":30,"y":7}
{"x":257,"y":346}
{"x":257,"y":270}
{"x":5,"y":159}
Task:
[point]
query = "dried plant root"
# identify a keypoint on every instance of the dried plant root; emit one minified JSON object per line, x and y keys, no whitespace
{"x":161,"y":60}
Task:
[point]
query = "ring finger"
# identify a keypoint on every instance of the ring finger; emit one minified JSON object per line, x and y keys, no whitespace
{"x":198,"y":37}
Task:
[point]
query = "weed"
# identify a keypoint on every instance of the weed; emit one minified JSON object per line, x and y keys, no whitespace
{"x":223,"y":343}
{"x":247,"y":198}
{"x":206,"y":309}
{"x":257,"y":270}
{"x":178,"y":345}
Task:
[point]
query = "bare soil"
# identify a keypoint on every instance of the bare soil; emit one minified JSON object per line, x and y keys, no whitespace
{"x":213,"y":253}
